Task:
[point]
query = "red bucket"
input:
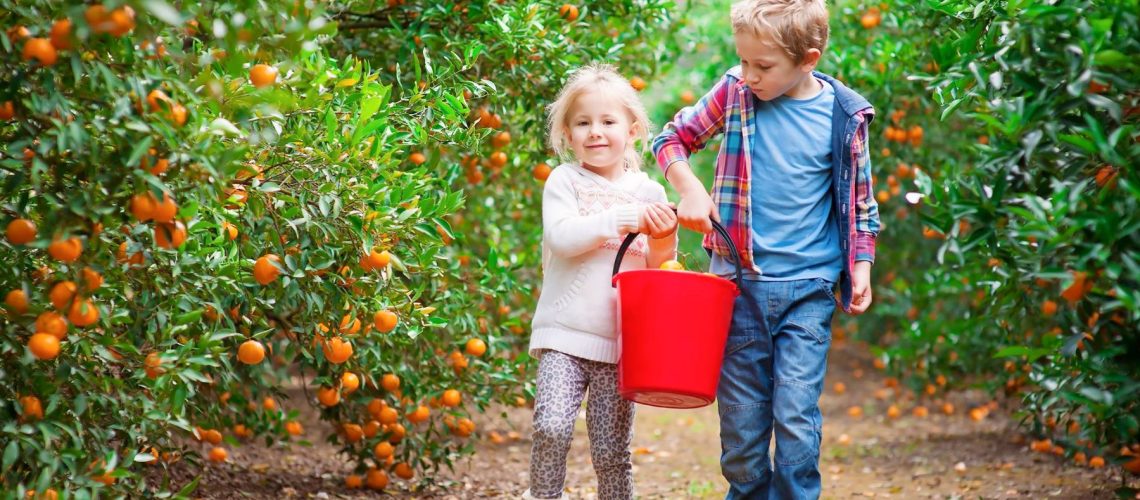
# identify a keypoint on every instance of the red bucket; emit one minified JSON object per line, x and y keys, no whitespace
{"x":673,"y":326}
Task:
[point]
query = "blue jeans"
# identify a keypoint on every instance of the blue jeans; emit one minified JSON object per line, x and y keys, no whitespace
{"x":771,"y":379}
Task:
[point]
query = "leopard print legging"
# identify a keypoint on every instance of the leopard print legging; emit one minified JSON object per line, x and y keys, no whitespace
{"x":562,"y":384}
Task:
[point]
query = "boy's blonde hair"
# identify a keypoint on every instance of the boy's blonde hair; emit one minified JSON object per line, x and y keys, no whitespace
{"x":796,"y":26}
{"x":601,"y":78}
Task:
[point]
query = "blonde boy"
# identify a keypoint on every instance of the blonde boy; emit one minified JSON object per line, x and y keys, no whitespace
{"x":792,"y":186}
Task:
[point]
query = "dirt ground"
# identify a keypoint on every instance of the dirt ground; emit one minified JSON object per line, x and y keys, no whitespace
{"x":676,"y":454}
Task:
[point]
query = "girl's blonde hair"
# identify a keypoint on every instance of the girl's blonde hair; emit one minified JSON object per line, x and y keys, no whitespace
{"x":601,"y":78}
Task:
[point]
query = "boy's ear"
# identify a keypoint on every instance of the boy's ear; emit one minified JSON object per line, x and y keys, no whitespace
{"x":811,"y":59}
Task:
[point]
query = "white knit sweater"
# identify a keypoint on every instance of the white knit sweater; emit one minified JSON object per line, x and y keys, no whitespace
{"x":585,"y":217}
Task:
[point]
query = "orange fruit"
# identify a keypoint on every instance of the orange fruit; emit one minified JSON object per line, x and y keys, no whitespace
{"x":21,"y":231}
{"x":353,"y":433}
{"x":390,"y":382}
{"x":1133,"y":466}
{"x":337,"y":350}
{"x":383,"y":450}
{"x":498,"y":159}
{"x":32,"y":408}
{"x":218,"y":454}
{"x":160,"y":164}
{"x":451,"y":398}
{"x":349,"y":382}
{"x":379,"y":259}
{"x":17,"y":301}
{"x":349,"y":325}
{"x":476,"y":347}
{"x":920,"y":412}
{"x":568,"y":12}
{"x":637,"y":83}
{"x":388,"y":416}
{"x":464,"y":427}
{"x":155,"y":98}
{"x":1106,"y":175}
{"x":353,"y":482}
{"x":251,"y":352}
{"x":116,"y":23}
{"x":53,"y":323}
{"x":397,"y":433}
{"x":294,"y":428}
{"x":43,"y":346}
{"x":417,"y":158}
{"x":83,"y":313}
{"x":262,"y":75}
{"x":500,"y":140}
{"x":328,"y":396}
{"x":404,"y":471}
{"x":165,"y":210}
{"x":170,"y":236}
{"x":62,"y":294}
{"x":142,"y":206}
{"x":61,"y":34}
{"x":134,"y":259}
{"x":1049,"y":308}
{"x":870,"y":20}
{"x":419,"y":415}
{"x":893,"y":412}
{"x":41,"y":50}
{"x":1096,"y":462}
{"x":177,"y":114}
{"x":92,"y":280}
{"x":840,"y":388}
{"x":264,"y":270}
{"x":230,"y":230}
{"x":687,"y":97}
{"x":65,"y":250}
{"x":672,"y":265}
{"x":7,"y":110}
{"x":541,"y":172}
{"x":385,"y":321}
{"x":948,"y":408}
{"x":376,"y":479}
{"x":372,"y":428}
{"x":855,"y":412}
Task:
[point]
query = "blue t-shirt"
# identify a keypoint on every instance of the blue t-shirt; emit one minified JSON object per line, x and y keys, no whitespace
{"x":794,"y":235}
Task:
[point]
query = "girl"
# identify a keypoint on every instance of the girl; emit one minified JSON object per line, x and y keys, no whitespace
{"x":588,"y":206}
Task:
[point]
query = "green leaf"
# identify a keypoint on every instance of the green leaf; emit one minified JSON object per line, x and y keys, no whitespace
{"x":11,"y":453}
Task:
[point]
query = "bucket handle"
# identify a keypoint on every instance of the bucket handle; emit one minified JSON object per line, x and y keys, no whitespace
{"x":716,"y":226}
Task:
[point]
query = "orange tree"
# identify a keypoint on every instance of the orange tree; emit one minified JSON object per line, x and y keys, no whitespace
{"x":1004,"y":152}
{"x":209,"y":203}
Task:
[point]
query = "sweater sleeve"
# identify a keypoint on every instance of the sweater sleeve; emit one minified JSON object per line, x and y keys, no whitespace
{"x":566,"y":232}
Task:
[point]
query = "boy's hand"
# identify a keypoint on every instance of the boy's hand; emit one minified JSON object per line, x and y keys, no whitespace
{"x":860,"y":287}
{"x":660,"y":220}
{"x":695,"y":209}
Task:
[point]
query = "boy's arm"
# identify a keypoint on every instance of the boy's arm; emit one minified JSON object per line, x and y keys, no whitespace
{"x":866,"y":208}
{"x":689,"y":132}
{"x":866,"y":222}
{"x":692,"y":127}
{"x":567,"y":233}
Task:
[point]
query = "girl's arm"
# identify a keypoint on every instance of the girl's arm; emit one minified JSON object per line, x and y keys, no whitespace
{"x":567,"y":233}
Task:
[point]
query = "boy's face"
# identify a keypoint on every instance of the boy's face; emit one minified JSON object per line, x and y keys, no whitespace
{"x":600,"y":129}
{"x":770,"y":73}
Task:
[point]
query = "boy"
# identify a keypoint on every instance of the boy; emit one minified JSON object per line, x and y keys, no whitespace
{"x":808,"y":221}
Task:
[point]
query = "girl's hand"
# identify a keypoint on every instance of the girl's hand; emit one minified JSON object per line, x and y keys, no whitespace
{"x":659,"y":220}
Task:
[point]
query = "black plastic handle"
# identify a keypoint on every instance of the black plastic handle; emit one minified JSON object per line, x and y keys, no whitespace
{"x":716,"y":226}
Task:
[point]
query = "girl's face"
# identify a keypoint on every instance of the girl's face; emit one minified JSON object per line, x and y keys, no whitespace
{"x":600,"y":131}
